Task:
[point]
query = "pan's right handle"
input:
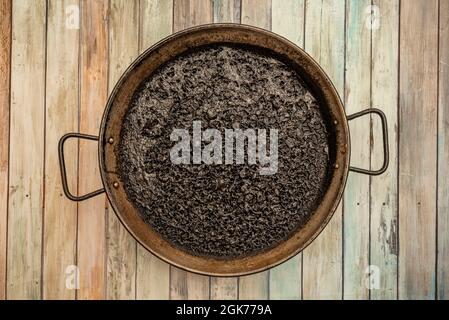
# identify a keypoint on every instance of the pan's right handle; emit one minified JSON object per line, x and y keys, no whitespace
{"x":383,"y":119}
{"x":65,"y":186}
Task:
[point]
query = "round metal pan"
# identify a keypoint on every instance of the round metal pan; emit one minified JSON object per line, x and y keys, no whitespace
{"x":172,"y":46}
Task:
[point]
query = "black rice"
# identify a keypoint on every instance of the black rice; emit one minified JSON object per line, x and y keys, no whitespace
{"x":224,"y":210}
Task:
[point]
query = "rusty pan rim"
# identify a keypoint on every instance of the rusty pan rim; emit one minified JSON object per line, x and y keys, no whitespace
{"x":205,"y":265}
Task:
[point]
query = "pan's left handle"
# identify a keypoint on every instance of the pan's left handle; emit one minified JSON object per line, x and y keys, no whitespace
{"x":65,"y":186}
{"x":383,"y":120}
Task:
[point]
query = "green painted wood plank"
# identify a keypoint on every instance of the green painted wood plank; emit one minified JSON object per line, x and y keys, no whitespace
{"x":220,"y":287}
{"x":356,"y":197}
{"x":325,"y":41}
{"x":384,"y":189}
{"x":288,"y":21}
{"x":257,"y":13}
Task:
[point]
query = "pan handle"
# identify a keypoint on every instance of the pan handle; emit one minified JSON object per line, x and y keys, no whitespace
{"x":385,"y":141}
{"x":65,"y":186}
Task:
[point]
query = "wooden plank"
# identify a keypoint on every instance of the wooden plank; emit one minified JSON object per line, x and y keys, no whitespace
{"x":285,"y":280}
{"x":94,"y":89}
{"x":384,"y":189}
{"x":183,"y":284}
{"x":60,"y":213}
{"x":5,"y":74}
{"x":254,"y":287}
{"x":121,"y":246}
{"x":26,"y":150}
{"x":189,"y":13}
{"x":324,"y":40}
{"x":188,"y":286}
{"x":153,"y":275}
{"x":227,"y":11}
{"x":356,"y":197}
{"x":159,"y":26}
{"x":443,"y":155}
{"x":225,"y":288}
{"x":288,"y":21}
{"x":417,"y":148}
{"x":256,"y":13}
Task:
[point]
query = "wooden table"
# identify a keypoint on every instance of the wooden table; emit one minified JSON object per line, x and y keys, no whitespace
{"x":60,"y":58}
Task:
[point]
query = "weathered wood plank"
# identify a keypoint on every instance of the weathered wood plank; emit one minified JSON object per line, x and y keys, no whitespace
{"x":5,"y":74}
{"x":121,"y":246}
{"x":256,"y":13}
{"x":285,"y":280}
{"x":26,"y":150}
{"x":384,"y":189}
{"x":324,"y":40}
{"x":94,"y":86}
{"x":183,"y":284}
{"x":159,"y":25}
{"x":227,"y":11}
{"x":188,"y":286}
{"x":60,"y":213}
{"x":254,"y":287}
{"x":288,"y":21}
{"x":417,"y":148}
{"x":443,"y":155}
{"x":153,"y":275}
{"x":225,"y":288}
{"x":189,"y":13}
{"x":356,"y":197}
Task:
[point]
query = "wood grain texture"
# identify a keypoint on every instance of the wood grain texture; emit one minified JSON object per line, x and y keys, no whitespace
{"x":286,"y":280}
{"x":417,"y":148}
{"x":26,"y":190}
{"x":256,"y":13}
{"x":55,"y":79}
{"x":94,"y":90}
{"x":5,"y":74}
{"x":384,"y":189}
{"x":443,"y":155}
{"x":62,"y":106}
{"x":183,"y":284}
{"x":288,"y":21}
{"x":121,"y":246}
{"x":189,"y":13}
{"x":156,"y":21}
{"x":227,"y":11}
{"x":153,"y":275}
{"x":188,"y":286}
{"x":325,"y":41}
{"x":356,"y":197}
{"x":225,"y":288}
{"x":254,"y":287}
